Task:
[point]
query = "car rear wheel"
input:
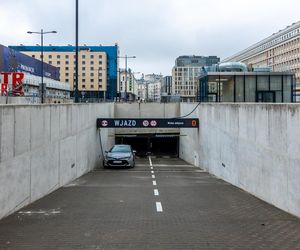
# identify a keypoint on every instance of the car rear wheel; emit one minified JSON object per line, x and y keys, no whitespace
{"x":104,"y":166}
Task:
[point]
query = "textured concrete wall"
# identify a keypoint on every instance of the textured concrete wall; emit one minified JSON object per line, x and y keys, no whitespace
{"x":44,"y":147}
{"x":253,"y":146}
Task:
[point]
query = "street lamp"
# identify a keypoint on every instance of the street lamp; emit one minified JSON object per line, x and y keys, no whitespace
{"x":42,"y":33}
{"x":126,"y":57}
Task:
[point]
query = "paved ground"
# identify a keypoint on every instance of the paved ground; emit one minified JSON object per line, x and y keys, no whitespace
{"x":120,"y":209}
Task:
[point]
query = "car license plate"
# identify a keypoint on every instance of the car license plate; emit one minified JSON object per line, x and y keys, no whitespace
{"x":117,"y":161}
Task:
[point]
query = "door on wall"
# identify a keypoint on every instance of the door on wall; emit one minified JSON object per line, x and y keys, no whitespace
{"x":265,"y":96}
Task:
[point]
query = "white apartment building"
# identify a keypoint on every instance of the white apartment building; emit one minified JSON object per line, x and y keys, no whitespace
{"x":154,"y":91}
{"x":142,"y":89}
{"x":130,"y":86}
{"x":280,"y":52}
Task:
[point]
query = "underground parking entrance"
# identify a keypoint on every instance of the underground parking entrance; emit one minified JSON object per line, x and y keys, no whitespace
{"x":158,"y":144}
{"x":149,"y":136}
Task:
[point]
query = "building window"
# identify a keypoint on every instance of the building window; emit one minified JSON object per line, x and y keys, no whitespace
{"x":83,"y":80}
{"x":92,"y":86}
{"x":100,"y":80}
{"x":66,"y":68}
{"x":83,"y":86}
{"x":100,"y":62}
{"x":67,"y":56}
{"x":100,"y":56}
{"x":67,"y":80}
{"x":92,"y":80}
{"x":83,"y":68}
{"x":92,"y":56}
{"x":92,"y":62}
{"x":58,"y":56}
{"x":67,"y":74}
{"x":92,"y":74}
{"x":50,"y":62}
{"x":83,"y":74}
{"x":58,"y":62}
{"x":67,"y":62}
{"x":92,"y":68}
{"x":49,"y":56}
{"x":83,"y":62}
{"x":33,"y":56}
{"x":83,"y":56}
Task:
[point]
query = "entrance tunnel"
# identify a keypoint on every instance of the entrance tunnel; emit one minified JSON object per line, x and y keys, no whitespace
{"x":151,"y":144}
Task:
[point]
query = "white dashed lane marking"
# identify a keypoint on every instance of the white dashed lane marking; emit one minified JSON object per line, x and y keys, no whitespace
{"x":159,"y":207}
{"x":150,"y":161}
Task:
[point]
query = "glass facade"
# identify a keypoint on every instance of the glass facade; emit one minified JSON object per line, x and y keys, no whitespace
{"x":246,"y":87}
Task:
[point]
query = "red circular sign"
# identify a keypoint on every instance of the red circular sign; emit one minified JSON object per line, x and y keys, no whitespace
{"x":145,"y":123}
{"x":194,"y":123}
{"x":153,"y":123}
{"x":104,"y":123}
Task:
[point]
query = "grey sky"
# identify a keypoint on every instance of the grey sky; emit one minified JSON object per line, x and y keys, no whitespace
{"x":156,"y":31}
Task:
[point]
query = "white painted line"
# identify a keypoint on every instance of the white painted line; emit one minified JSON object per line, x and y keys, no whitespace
{"x":156,"y":193}
{"x":152,"y":172}
{"x":159,"y":207}
{"x":153,"y":176}
{"x":150,"y":161}
{"x":154,"y":183}
{"x":151,"y":167}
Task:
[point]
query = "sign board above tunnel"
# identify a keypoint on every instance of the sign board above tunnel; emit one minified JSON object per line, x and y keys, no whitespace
{"x":147,"y":123}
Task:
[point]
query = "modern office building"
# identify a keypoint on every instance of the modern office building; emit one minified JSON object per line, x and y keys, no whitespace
{"x":232,"y":82}
{"x":185,"y":75}
{"x":196,"y":61}
{"x":166,"y":85}
{"x":14,"y":61}
{"x":97,"y":72}
{"x":280,"y":52}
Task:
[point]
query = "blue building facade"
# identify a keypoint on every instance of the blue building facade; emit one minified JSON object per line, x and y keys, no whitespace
{"x":112,"y":53}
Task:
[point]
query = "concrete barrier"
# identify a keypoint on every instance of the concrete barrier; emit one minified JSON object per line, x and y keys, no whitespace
{"x":253,"y":146}
{"x":44,"y":147}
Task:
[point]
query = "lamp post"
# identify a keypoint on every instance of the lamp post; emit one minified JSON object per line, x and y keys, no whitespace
{"x":126,"y":57}
{"x":76,"y":92}
{"x":42,"y":33}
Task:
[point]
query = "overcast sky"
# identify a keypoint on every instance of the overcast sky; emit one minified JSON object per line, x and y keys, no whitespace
{"x":155,"y":31}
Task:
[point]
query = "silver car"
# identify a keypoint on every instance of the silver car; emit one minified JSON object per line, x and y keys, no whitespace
{"x":120,"y":155}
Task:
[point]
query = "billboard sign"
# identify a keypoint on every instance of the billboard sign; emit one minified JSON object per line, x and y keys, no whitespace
{"x":14,"y":61}
{"x":11,"y":83}
{"x":147,"y":123}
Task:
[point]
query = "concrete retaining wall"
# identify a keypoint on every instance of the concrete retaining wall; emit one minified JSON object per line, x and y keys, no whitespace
{"x":45,"y":147}
{"x":253,"y":146}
